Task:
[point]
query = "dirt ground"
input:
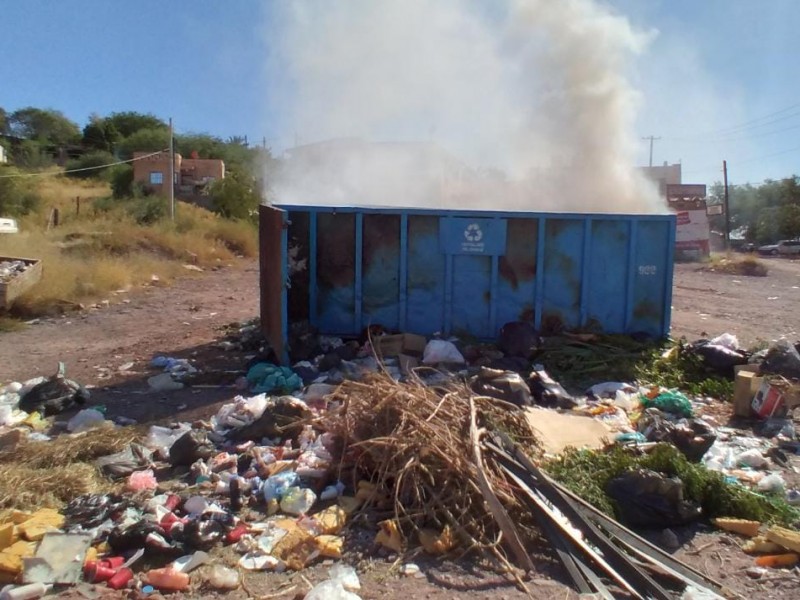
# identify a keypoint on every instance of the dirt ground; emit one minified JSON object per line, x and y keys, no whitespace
{"x":186,"y":318}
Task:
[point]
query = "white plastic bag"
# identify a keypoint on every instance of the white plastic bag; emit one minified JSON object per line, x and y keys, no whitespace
{"x":730,"y":341}
{"x":330,"y":590}
{"x":441,"y":351}
{"x":87,"y":419}
{"x":772,"y":483}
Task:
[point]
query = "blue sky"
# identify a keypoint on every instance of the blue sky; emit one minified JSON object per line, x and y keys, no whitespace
{"x":709,"y":79}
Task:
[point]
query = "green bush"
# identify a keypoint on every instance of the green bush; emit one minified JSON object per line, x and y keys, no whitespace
{"x":17,"y":196}
{"x":146,"y":211}
{"x":121,"y":178}
{"x":236,"y":196}
{"x":93,"y":162}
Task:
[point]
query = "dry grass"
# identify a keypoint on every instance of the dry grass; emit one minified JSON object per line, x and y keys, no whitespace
{"x":50,"y":474}
{"x":413,"y":443}
{"x":95,"y":253}
{"x":731,"y":264}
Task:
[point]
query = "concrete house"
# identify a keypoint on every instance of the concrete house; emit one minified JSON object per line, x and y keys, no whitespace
{"x":192,"y":175}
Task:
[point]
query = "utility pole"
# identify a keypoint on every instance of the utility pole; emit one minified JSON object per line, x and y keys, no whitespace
{"x":652,"y":139}
{"x":727,"y":208}
{"x":171,"y":173}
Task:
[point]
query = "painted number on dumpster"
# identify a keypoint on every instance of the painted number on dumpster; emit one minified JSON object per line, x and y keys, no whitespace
{"x":648,"y":270}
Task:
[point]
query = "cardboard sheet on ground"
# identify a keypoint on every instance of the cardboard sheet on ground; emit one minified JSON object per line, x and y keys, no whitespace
{"x":558,"y":430}
{"x":59,"y":559}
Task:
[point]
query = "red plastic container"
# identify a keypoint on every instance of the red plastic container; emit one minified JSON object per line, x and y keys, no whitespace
{"x":120,"y":579}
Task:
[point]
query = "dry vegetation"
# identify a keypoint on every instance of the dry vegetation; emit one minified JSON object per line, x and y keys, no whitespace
{"x":99,"y":251}
{"x":731,"y":264}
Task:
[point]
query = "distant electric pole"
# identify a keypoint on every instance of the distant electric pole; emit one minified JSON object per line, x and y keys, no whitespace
{"x":171,"y":174}
{"x":652,"y":139}
{"x":727,"y":210}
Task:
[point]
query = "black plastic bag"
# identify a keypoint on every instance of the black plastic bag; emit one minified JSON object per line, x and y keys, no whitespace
{"x":122,"y":464}
{"x":504,"y":385}
{"x":55,"y":395}
{"x":693,"y":437}
{"x":648,"y":499}
{"x":547,"y":391}
{"x":719,"y":358}
{"x":192,"y":446}
{"x":518,"y":338}
{"x":782,"y":358}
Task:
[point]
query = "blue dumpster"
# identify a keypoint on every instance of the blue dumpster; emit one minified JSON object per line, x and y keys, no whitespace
{"x":341,"y":269}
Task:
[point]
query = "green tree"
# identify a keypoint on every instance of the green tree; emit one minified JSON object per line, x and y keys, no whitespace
{"x":789,"y":220}
{"x":236,"y":196}
{"x":91,"y":164}
{"x":31,"y":155}
{"x":3,"y":122}
{"x":100,"y":134}
{"x":128,"y":123}
{"x":144,"y":140}
{"x":45,"y":126}
{"x":121,"y":177}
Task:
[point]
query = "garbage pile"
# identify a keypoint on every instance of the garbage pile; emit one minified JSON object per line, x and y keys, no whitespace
{"x":11,"y":268}
{"x":437,"y":437}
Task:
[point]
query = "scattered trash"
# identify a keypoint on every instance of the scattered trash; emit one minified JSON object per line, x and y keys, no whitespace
{"x":649,"y":499}
{"x":442,"y":351}
{"x":223,"y":578}
{"x":670,"y":401}
{"x":268,"y":378}
{"x":548,"y":392}
{"x":54,"y":395}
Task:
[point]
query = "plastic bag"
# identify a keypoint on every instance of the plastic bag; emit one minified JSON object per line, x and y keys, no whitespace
{"x":647,"y":499}
{"x":125,"y":462}
{"x":277,"y":485}
{"x":53,"y":395}
{"x":547,"y":391}
{"x":441,"y":351}
{"x":783,"y":359}
{"x":752,"y":458}
{"x":265,"y":378}
{"x":192,"y":446}
{"x":298,"y":501}
{"x":772,"y":483}
{"x":518,"y":338}
{"x":346,"y":575}
{"x":730,"y":341}
{"x":142,"y":480}
{"x":87,"y":419}
{"x":670,"y":401}
{"x":223,"y":578}
{"x":330,"y":590}
{"x":504,"y":385}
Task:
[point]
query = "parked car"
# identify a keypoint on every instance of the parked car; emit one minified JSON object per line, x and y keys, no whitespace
{"x":785,"y":247}
{"x":8,"y":226}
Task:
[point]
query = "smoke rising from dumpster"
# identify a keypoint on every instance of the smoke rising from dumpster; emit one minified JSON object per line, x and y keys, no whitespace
{"x":517,"y":105}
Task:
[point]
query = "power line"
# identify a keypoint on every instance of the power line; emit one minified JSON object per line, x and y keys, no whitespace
{"x":56,"y":173}
{"x":750,"y":124}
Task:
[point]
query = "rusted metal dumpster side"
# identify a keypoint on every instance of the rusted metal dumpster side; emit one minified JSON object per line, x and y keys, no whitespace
{"x":13,"y":287}
{"x":469,"y":272}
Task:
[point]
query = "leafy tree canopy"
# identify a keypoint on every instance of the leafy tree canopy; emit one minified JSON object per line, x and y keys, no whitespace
{"x":44,"y":126}
{"x":129,"y":122}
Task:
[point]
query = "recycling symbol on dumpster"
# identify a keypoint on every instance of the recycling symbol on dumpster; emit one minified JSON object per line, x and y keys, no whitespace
{"x":473,"y":233}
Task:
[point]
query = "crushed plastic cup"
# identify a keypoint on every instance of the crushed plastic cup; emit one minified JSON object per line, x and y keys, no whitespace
{"x":223,"y":578}
{"x":142,"y":480}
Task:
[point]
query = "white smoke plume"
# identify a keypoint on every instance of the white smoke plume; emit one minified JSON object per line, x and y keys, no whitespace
{"x":495,"y":104}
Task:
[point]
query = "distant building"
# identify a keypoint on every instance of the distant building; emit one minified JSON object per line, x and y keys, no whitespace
{"x":688,"y":202}
{"x":3,"y":156}
{"x":192,"y":175}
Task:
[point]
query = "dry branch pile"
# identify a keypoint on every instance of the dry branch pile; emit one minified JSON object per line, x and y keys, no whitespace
{"x":414,"y":443}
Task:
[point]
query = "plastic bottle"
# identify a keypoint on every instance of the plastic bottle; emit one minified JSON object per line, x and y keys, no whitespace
{"x":778,"y":560}
{"x":26,"y":592}
{"x":168,"y":579}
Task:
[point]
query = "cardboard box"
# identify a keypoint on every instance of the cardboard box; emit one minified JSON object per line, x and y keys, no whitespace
{"x":768,"y":401}
{"x":744,"y":390}
{"x":395,"y":345}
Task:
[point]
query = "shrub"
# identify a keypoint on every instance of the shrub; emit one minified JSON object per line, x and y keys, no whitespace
{"x":93,"y":162}
{"x":146,"y":211}
{"x":121,"y":178}
{"x":17,"y":197}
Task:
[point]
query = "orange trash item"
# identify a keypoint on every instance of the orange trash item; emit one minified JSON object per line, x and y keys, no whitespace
{"x":778,"y":560}
{"x":168,"y":579}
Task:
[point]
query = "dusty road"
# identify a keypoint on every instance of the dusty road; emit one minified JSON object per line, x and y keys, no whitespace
{"x":185,"y":319}
{"x":753,"y":308}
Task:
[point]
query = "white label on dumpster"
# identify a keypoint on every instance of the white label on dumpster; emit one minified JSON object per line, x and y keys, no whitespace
{"x":647,"y":269}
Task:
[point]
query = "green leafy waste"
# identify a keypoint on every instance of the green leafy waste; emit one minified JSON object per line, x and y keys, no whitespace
{"x":587,"y":473}
{"x":621,"y":358}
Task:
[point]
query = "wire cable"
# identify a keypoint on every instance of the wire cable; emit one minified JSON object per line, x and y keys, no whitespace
{"x":56,"y":173}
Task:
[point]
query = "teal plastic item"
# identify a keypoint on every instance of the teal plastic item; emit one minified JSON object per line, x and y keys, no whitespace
{"x":671,"y":401}
{"x":629,"y":438}
{"x":266,"y":378}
